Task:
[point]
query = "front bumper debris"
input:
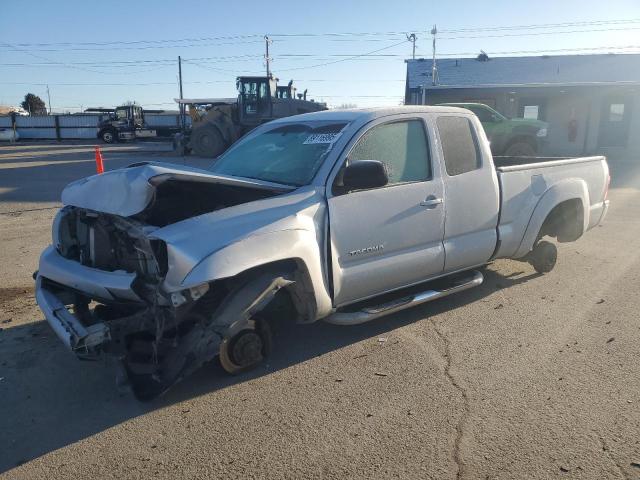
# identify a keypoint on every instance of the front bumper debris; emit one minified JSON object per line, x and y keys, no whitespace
{"x":92,"y":281}
{"x":78,"y":338}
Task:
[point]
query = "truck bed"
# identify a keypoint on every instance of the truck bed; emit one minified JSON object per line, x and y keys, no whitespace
{"x":527,"y":182}
{"x":506,"y":161}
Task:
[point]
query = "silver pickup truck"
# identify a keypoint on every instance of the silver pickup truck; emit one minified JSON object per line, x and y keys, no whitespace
{"x":343,"y":216}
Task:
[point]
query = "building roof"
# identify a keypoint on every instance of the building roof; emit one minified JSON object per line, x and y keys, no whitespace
{"x":526,"y":71}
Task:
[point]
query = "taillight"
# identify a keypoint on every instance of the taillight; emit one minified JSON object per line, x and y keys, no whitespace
{"x":606,"y":188}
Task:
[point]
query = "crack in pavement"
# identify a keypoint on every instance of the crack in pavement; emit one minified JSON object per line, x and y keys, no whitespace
{"x":607,"y":452}
{"x":466,"y":411}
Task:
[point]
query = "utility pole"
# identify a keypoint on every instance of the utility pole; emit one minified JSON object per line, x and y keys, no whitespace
{"x":181,"y":109}
{"x":267,"y":58}
{"x":49,"y":98}
{"x":434,"y":68}
{"x":412,"y":38}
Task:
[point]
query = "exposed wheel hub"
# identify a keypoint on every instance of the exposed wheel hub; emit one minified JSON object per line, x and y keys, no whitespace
{"x":247,"y":349}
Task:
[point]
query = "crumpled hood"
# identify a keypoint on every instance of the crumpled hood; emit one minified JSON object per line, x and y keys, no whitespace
{"x":128,"y":191}
{"x":192,"y":240}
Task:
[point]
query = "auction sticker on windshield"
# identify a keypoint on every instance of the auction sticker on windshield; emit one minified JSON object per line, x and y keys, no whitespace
{"x":322,"y":138}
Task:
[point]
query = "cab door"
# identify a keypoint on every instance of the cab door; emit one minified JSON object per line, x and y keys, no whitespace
{"x":472,"y":194}
{"x":386,"y":238}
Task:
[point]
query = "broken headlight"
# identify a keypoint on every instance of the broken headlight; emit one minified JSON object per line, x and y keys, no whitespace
{"x":193,"y":294}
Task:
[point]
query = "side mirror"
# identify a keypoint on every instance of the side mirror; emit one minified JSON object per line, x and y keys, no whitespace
{"x":495,"y":118}
{"x":364,"y":174}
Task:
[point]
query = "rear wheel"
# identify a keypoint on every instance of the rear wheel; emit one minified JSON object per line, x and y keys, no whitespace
{"x":520,"y":149}
{"x":109,"y":136}
{"x":206,"y":141}
{"x":543,"y":257}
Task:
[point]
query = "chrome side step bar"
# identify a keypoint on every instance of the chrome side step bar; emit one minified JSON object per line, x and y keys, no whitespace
{"x":474,"y":279}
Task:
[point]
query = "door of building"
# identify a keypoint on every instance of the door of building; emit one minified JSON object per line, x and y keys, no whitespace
{"x":615,"y":119}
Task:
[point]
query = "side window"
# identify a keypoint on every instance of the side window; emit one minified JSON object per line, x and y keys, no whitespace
{"x":459,"y":145}
{"x":401,"y":146}
{"x":482,"y":114}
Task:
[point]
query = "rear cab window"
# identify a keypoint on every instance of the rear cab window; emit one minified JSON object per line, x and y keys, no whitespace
{"x":459,"y":145}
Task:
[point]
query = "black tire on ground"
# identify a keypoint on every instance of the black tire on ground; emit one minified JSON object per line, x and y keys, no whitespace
{"x":206,"y":141}
{"x":543,"y":256}
{"x":109,"y":136}
{"x":520,"y":149}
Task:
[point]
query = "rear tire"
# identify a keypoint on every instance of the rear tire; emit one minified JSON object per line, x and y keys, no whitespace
{"x":520,"y":149}
{"x":109,"y":136}
{"x":206,"y":141}
{"x":543,"y":257}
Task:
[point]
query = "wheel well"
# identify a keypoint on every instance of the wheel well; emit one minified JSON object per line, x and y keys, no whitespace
{"x":523,"y":139}
{"x":105,"y":129}
{"x":565,"y":221}
{"x":299,"y":295}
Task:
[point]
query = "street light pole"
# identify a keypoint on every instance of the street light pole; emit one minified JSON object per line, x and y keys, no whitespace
{"x":267,"y":58}
{"x":181,"y":109}
{"x":412,"y":38}
{"x":434,"y":68}
{"x":49,"y":98}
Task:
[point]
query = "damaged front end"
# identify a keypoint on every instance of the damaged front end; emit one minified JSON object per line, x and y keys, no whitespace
{"x":101,"y":285}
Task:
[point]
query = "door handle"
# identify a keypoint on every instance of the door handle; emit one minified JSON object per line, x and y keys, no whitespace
{"x":431,"y":201}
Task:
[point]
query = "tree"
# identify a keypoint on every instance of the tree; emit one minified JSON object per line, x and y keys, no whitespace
{"x":34,"y":104}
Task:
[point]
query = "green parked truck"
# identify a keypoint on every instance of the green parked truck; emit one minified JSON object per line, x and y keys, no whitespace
{"x":513,"y":137}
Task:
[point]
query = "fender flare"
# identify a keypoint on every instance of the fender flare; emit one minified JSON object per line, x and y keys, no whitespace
{"x":567,"y":189}
{"x":240,"y":256}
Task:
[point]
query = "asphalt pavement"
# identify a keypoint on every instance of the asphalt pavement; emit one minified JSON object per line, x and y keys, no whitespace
{"x":525,"y":377}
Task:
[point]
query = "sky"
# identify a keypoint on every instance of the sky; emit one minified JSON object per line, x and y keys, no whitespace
{"x":94,"y":54}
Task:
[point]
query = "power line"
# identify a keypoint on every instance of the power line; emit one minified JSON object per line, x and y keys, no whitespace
{"x":543,"y":25}
{"x":530,"y":34}
{"x":255,"y":38}
{"x":202,"y":61}
{"x":138,"y":84}
{"x":150,"y":47}
{"x":345,"y":59}
{"x":69,"y":65}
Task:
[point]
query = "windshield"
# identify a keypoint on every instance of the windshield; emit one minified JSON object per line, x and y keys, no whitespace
{"x":290,"y":154}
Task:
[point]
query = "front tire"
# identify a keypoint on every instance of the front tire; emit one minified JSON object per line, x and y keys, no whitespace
{"x":109,"y":136}
{"x":520,"y":149}
{"x":206,"y":141}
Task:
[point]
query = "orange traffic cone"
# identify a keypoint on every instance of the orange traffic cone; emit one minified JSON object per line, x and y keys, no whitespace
{"x":99,"y":165}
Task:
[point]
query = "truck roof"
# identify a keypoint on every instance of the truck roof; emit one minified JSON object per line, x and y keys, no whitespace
{"x":461,"y":104}
{"x":368,"y":114}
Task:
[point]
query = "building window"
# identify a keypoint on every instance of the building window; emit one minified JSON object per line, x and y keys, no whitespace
{"x":531,"y":112}
{"x":616,"y":112}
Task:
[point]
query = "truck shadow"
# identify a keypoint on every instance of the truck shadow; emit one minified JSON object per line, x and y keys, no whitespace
{"x":298,"y":343}
{"x":50,"y":399}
